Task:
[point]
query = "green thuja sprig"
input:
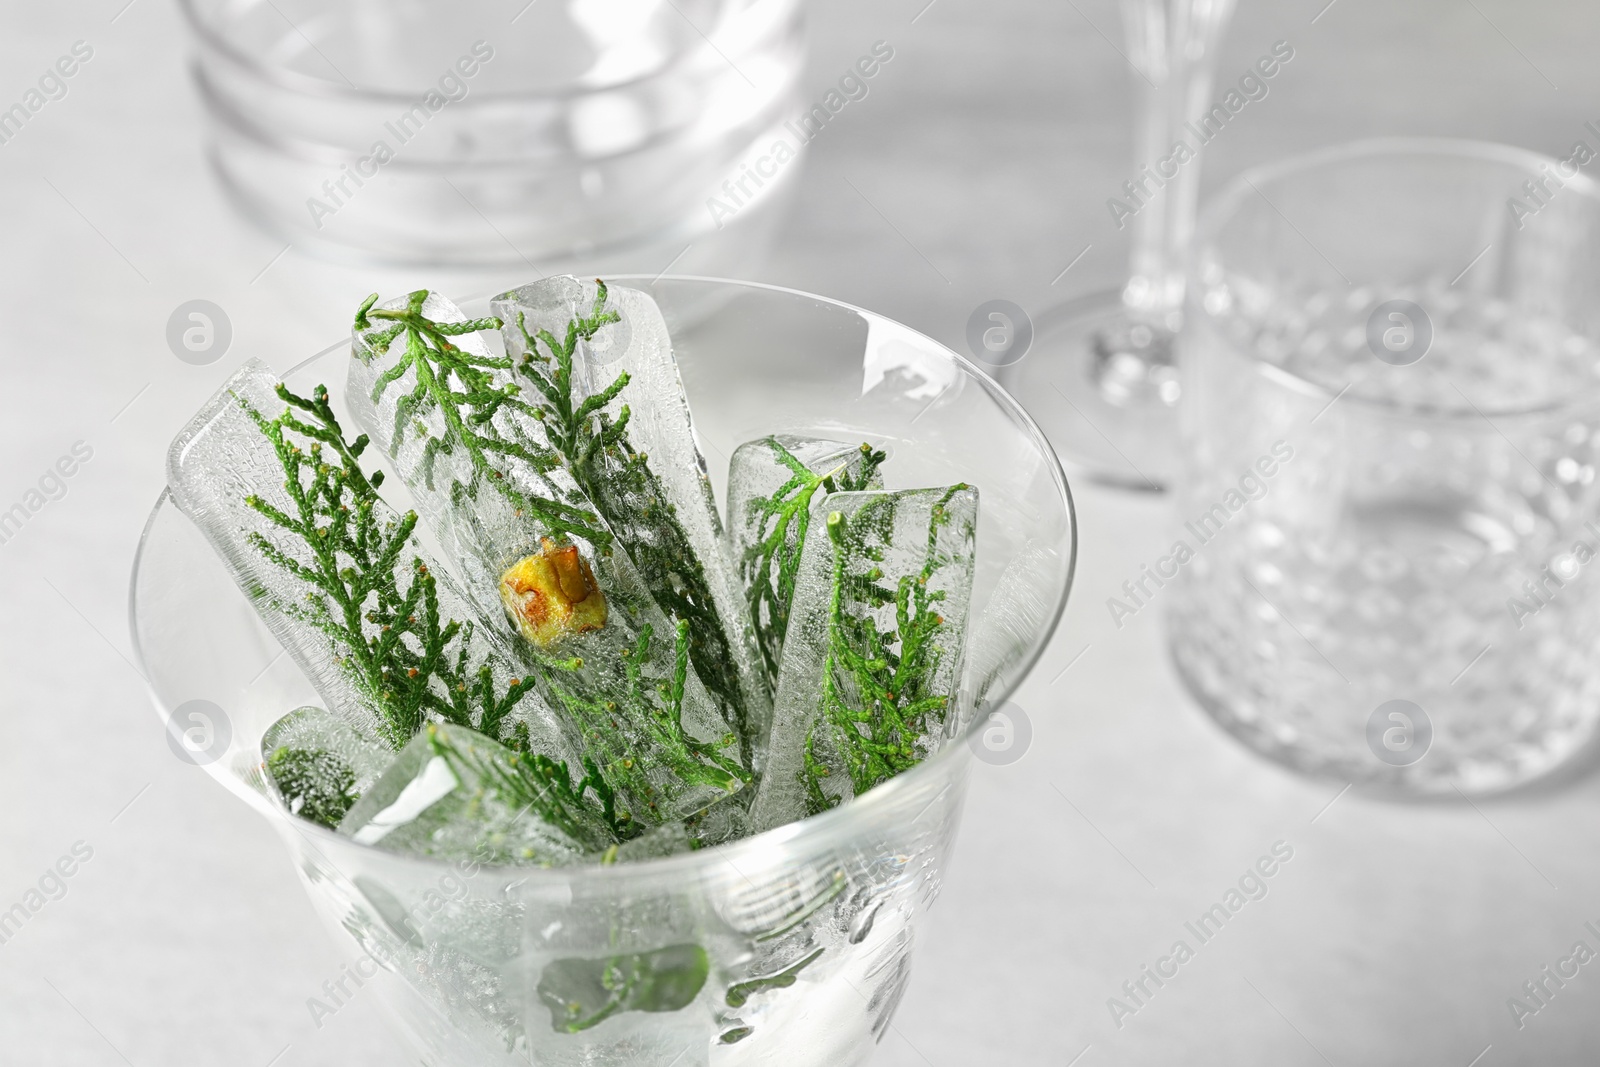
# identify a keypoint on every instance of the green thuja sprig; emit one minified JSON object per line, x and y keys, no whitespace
{"x":376,"y":602}
{"x":772,"y":560}
{"x":632,"y":732}
{"x":317,"y":785}
{"x":584,"y":810}
{"x":878,"y":693}
{"x":631,"y":762}
{"x":461,"y":388}
{"x":572,"y":425}
{"x":596,"y":450}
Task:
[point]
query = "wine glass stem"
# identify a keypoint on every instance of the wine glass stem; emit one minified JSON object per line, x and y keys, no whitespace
{"x":1171,"y":45}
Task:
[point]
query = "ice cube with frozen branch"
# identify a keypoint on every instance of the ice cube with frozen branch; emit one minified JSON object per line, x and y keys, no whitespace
{"x":872,"y":665}
{"x":496,"y":487}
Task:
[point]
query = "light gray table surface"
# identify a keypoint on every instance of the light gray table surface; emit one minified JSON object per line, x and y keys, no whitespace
{"x":980,"y":164}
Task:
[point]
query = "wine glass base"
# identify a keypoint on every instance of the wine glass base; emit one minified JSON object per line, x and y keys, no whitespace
{"x":1107,"y":424}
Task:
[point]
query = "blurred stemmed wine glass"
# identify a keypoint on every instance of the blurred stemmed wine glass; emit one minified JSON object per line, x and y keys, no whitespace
{"x":1101,"y":377}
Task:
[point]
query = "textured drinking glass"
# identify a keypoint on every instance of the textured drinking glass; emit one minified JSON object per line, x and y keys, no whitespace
{"x":804,"y":933}
{"x":1392,"y":409}
{"x":481,"y":133}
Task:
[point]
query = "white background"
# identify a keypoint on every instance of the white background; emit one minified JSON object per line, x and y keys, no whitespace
{"x":1395,"y":934}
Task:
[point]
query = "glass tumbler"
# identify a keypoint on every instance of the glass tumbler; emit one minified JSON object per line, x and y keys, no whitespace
{"x":1390,"y":515}
{"x":790,"y":948}
{"x":482,"y":133}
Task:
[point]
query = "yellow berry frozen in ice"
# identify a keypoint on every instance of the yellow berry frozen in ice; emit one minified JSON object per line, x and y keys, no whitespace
{"x":553,"y":593}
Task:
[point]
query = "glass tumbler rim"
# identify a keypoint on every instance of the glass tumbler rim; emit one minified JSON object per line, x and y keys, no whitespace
{"x":1223,"y":206}
{"x":834,"y":823}
{"x":295,"y":81}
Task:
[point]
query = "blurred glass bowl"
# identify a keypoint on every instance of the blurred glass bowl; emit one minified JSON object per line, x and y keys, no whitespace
{"x":477,"y":134}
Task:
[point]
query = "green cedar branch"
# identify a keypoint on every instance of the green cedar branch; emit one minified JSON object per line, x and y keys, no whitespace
{"x":381,"y":612}
{"x":875,"y":722}
{"x":628,"y":761}
{"x":460,"y":387}
{"x":596,"y":451}
{"x":584,"y":809}
{"x":772,"y":562}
